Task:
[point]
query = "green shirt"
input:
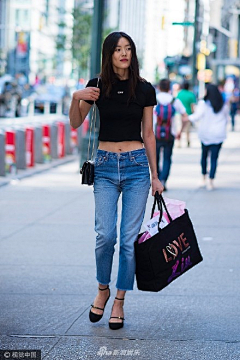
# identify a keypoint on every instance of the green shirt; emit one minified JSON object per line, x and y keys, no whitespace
{"x":187,"y":98}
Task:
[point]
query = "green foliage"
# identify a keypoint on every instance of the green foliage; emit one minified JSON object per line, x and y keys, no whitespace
{"x":107,"y":31}
{"x":157,"y":75}
{"x":81,"y":40}
{"x":61,"y":41}
{"x":61,"y":24}
{"x":61,"y":38}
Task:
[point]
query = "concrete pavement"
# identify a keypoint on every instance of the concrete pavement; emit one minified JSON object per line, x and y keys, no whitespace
{"x":48,"y":270}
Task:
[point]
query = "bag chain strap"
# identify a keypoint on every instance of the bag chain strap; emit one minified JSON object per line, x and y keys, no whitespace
{"x":93,"y":121}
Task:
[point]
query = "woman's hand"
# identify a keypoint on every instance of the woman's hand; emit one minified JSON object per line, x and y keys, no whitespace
{"x":79,"y":109}
{"x":157,"y":186}
{"x":89,"y":93}
{"x":178,"y":136}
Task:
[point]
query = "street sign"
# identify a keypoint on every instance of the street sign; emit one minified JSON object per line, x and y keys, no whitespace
{"x":185,"y":23}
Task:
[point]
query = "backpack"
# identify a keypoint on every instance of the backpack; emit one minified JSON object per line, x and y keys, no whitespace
{"x":165,"y":114}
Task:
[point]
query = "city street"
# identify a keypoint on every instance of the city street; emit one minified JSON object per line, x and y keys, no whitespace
{"x":48,"y":281}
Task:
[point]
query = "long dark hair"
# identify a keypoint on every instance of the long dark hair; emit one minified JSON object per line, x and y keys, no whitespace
{"x":215,"y":97}
{"x":107,"y":75}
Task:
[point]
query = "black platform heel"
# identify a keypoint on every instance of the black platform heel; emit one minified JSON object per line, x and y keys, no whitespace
{"x":96,"y":317}
{"x":116,"y":325}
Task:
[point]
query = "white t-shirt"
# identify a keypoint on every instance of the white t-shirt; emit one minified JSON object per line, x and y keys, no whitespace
{"x":165,"y":98}
{"x":212,"y":126}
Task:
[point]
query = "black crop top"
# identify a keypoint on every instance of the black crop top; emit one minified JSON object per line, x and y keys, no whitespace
{"x":120,"y":121}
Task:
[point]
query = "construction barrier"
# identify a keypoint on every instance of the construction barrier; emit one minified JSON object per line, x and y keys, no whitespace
{"x":25,"y":142}
{"x":61,"y":139}
{"x":30,"y":158}
{"x":54,"y":141}
{"x":2,"y":152}
{"x":46,"y":143}
{"x":10,"y":151}
{"x":21,"y":149}
{"x":67,"y":139}
{"x":38,"y":145}
{"x":74,"y":139}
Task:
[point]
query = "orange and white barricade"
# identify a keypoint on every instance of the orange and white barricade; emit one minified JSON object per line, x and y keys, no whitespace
{"x":30,"y":155}
{"x":10,"y":151}
{"x":46,"y":143}
{"x":61,"y":139}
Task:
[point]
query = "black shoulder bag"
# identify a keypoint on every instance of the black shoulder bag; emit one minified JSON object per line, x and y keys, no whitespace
{"x":87,"y":170}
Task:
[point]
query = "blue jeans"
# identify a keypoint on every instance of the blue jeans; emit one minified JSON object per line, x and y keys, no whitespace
{"x":116,"y":173}
{"x":233,"y":120}
{"x":167,"y":147}
{"x":214,"y":151}
{"x":233,"y":112}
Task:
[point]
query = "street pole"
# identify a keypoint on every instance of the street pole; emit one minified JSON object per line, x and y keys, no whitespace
{"x":96,"y":38}
{"x":195,"y":39}
{"x":95,"y":66}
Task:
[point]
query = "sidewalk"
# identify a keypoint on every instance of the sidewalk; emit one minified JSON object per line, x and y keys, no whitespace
{"x":48,"y":270}
{"x":38,"y":168}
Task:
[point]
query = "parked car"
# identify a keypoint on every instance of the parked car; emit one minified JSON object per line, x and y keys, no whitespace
{"x":51,"y":94}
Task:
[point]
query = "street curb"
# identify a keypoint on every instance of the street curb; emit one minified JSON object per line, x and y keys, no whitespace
{"x":39,"y":168}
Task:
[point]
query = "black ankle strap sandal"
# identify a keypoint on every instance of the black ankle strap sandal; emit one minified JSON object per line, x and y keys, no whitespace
{"x":116,"y":325}
{"x":103,"y":289}
{"x":96,"y":317}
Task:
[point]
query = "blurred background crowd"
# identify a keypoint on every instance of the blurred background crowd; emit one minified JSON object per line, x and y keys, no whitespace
{"x":46,"y":47}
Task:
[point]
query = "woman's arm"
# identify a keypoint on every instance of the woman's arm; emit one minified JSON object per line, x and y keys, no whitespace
{"x":199,"y":112}
{"x":150,"y":146}
{"x":79,"y":109}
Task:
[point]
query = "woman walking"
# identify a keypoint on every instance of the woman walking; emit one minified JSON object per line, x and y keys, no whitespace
{"x":126,"y":150}
{"x":213,"y":116}
{"x":234,"y":103}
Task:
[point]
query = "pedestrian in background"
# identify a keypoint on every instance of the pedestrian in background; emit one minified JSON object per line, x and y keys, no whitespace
{"x":125,"y":102}
{"x":212,"y":114}
{"x":166,"y":129}
{"x":188,"y":99}
{"x":233,"y":102}
{"x":221,"y":88}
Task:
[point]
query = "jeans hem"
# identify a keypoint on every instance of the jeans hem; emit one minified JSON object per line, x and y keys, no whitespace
{"x":103,"y":283}
{"x":123,"y":289}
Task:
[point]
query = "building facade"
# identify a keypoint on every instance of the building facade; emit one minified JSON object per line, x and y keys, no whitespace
{"x":29,"y":29}
{"x":162,"y":38}
{"x":225,"y":34}
{"x":129,"y":17}
{"x":149,"y":23}
{"x":28,"y":33}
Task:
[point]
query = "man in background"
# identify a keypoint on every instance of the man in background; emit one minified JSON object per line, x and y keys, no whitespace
{"x":165,"y":128}
{"x":188,"y":99}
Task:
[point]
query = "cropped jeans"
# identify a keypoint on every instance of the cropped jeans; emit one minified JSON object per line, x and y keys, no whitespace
{"x":127,"y":174}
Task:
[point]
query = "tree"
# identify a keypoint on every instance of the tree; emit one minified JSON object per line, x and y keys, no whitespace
{"x":81,"y":40}
{"x":61,"y":36}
